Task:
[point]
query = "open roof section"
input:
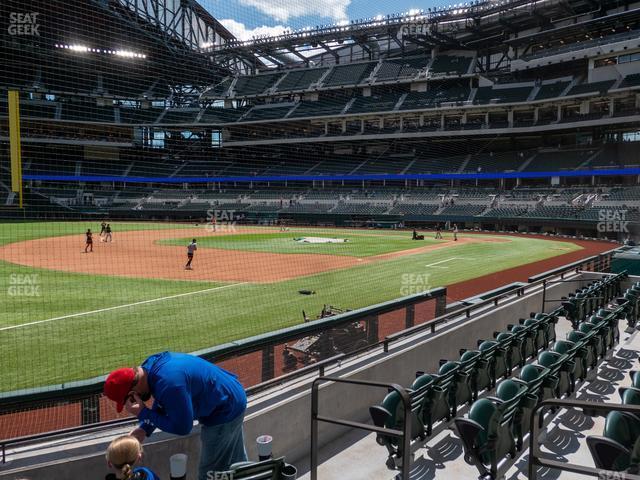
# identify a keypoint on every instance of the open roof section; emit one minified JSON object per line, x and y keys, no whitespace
{"x":474,"y":25}
{"x":186,"y":21}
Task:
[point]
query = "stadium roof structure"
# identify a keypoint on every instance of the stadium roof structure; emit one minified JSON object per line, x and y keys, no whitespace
{"x":186,"y":21}
{"x":155,"y":34}
{"x":483,"y":24}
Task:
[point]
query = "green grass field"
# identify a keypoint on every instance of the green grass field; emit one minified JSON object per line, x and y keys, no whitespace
{"x":80,"y":325}
{"x":360,"y":244}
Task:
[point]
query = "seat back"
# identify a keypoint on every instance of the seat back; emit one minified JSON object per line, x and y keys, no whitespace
{"x":273,"y":469}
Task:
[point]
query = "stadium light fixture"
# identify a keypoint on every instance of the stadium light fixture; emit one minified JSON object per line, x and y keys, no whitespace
{"x":85,"y":49}
{"x":78,"y":48}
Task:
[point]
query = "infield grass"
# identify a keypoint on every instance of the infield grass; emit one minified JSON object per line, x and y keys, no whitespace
{"x":358,"y":244}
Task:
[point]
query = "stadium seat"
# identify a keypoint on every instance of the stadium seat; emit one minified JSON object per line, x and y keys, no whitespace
{"x":497,"y":355}
{"x":618,"y":447}
{"x":578,"y":353}
{"x":496,"y":425}
{"x":510,"y":389}
{"x":629,"y":395}
{"x":390,"y":414}
{"x":436,"y":405}
{"x":562,"y":367}
{"x":597,"y":334}
{"x":479,"y":376}
{"x":539,"y":380}
{"x":590,"y":345}
{"x":527,"y":334}
{"x":460,"y":389}
{"x":273,"y":469}
{"x":550,"y":322}
{"x":487,"y":434}
{"x":512,"y":345}
{"x":539,"y":328}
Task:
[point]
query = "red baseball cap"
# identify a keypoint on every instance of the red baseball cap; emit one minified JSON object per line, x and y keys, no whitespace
{"x":118,"y":385}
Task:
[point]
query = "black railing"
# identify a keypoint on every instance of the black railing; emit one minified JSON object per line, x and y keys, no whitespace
{"x":403,"y":435}
{"x":536,"y":459}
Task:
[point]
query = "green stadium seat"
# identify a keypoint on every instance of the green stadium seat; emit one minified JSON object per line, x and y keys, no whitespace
{"x":539,"y":380}
{"x":597,"y":333}
{"x":590,"y":345}
{"x":549,"y":326}
{"x":609,"y":320}
{"x":539,"y":327}
{"x":508,"y":390}
{"x":617,"y":449}
{"x":576,"y":352}
{"x":562,"y":367}
{"x":497,"y":356}
{"x":480,"y":376}
{"x":436,"y":406}
{"x":629,"y":395}
{"x":487,"y":434}
{"x":390,"y":414}
{"x":460,"y":391}
{"x":528,"y":339}
{"x":512,"y":345}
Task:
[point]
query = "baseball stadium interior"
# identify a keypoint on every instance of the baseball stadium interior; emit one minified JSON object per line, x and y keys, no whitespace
{"x":411,"y":236}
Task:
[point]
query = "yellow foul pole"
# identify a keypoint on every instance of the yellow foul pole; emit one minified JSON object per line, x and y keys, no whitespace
{"x":14,"y":144}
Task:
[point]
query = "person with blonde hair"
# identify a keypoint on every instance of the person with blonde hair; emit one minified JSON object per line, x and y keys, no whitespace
{"x":123,"y":454}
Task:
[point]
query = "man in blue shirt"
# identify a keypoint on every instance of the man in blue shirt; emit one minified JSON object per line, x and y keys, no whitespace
{"x":185,"y":388}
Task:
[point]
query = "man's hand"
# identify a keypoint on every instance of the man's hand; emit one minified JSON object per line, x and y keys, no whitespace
{"x":138,"y":433}
{"x":134,"y":406}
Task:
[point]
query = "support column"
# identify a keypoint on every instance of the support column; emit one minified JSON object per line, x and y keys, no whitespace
{"x":441,"y":305}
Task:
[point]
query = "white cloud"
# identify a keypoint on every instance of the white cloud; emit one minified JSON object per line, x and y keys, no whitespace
{"x":243,"y":33}
{"x":283,"y":10}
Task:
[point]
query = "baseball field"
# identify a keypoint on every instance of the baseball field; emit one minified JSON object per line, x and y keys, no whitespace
{"x":69,"y":315}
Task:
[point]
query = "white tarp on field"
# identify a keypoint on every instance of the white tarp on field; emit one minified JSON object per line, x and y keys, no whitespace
{"x":320,"y":240}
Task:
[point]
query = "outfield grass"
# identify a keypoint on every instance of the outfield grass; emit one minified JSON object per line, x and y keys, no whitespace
{"x":359,"y":244}
{"x":19,"y":231}
{"x":88,"y":345}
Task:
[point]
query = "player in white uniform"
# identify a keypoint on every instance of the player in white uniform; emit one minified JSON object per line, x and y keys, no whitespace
{"x":191,"y":248}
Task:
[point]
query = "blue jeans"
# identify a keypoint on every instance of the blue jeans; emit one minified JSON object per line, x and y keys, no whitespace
{"x":221,"y":446}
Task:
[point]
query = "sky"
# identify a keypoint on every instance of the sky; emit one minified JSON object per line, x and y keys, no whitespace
{"x":246,"y":18}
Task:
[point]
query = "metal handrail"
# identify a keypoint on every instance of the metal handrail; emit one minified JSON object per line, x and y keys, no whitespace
{"x":404,"y":435}
{"x":534,"y":282}
{"x":590,"y":409}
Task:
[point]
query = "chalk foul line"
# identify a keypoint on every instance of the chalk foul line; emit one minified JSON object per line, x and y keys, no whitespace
{"x":443,"y":261}
{"x":117,"y":307}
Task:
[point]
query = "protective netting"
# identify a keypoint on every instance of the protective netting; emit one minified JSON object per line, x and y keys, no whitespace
{"x":253,"y":365}
{"x":339,"y":163}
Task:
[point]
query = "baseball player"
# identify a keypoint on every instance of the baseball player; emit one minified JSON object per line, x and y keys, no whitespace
{"x":191,"y":248}
{"x":88,"y":247}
